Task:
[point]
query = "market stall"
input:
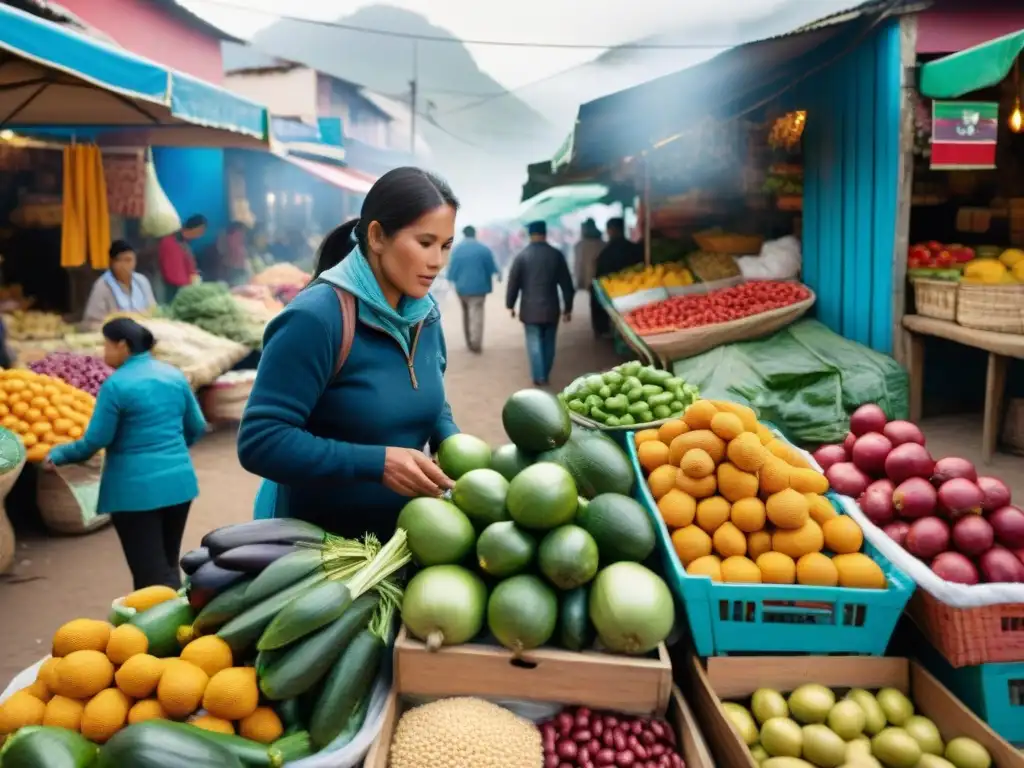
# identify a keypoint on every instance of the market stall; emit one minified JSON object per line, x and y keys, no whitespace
{"x":531,"y":617}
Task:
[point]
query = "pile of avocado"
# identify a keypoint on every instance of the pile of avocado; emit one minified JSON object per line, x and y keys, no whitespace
{"x":629,"y":394}
{"x":813,"y":728}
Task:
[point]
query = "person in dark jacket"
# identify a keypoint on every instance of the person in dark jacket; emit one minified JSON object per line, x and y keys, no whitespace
{"x":537,"y":275}
{"x":338,"y":428}
{"x":617,"y":254}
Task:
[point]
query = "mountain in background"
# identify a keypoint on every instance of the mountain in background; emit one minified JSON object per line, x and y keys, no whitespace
{"x":483,"y":151}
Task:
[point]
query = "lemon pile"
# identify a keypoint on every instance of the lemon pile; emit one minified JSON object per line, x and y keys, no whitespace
{"x":100,"y":679}
{"x":42,"y":410}
{"x":744,"y":506}
{"x":636,"y":279}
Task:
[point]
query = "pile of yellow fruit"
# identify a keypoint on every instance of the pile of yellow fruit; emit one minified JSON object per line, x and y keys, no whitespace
{"x":42,"y":410}
{"x":744,"y":506}
{"x":100,"y":679}
{"x":31,"y":324}
{"x":635,"y":279}
{"x":1008,"y":268}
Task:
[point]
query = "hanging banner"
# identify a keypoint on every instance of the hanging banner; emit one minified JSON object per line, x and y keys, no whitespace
{"x":964,"y":135}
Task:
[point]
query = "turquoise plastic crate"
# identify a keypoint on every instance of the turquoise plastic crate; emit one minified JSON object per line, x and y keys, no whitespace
{"x":994,"y":692}
{"x":778,"y":618}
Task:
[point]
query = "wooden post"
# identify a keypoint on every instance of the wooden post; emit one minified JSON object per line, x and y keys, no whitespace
{"x":647,"y":212}
{"x":905,"y":183}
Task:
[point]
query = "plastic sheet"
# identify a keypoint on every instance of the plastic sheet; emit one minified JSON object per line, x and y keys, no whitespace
{"x":805,"y":379}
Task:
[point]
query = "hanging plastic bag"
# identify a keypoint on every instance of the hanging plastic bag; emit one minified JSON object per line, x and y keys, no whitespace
{"x":160,"y":218}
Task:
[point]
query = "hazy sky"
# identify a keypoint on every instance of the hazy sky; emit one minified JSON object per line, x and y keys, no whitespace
{"x":562,"y":21}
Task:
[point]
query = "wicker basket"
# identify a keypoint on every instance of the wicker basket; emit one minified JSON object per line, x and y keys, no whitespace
{"x":935,"y":298}
{"x":676,"y":345}
{"x":734,"y":245}
{"x":970,"y":636}
{"x":7,"y":540}
{"x":59,"y":507}
{"x":991,"y":307}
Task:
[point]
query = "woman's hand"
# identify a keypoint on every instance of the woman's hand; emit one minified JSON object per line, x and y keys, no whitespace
{"x":411,"y":473}
{"x":48,"y":465}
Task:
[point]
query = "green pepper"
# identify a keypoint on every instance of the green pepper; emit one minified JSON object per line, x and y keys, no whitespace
{"x":634,"y":395}
{"x":598,"y":414}
{"x":617,"y":404}
{"x":645,"y":374}
{"x":627,"y":420}
{"x":661,"y":411}
{"x":578,"y":406}
{"x":613,"y":378}
{"x":650,"y":390}
{"x":675,"y":405}
{"x":592,"y":402}
{"x":645,"y":417}
{"x":611,"y":421}
{"x":661,"y":399}
{"x":632,"y":368}
{"x":638,"y":407}
{"x":631,"y":382}
{"x":604,"y":392}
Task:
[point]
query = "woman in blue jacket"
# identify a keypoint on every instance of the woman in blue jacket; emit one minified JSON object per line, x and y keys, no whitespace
{"x":146,"y":417}
{"x":350,"y":386}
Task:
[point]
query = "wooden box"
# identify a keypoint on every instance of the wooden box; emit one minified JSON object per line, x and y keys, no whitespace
{"x":736,"y":678}
{"x":628,"y":684}
{"x":694,"y":749}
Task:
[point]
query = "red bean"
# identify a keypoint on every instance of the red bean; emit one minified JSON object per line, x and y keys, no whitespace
{"x":567,"y":750}
{"x":657,"y":729}
{"x":637,"y":727}
{"x":585,"y":711}
{"x":582,"y":721}
{"x":608,"y":738}
{"x":610,"y":721}
{"x":597,"y":727}
{"x":647,"y":738}
{"x":582,"y":737}
{"x":583,"y":755}
{"x":641,"y":752}
{"x":658,"y":750}
{"x":566,"y":765}
{"x":677,"y":761}
{"x":625,"y":758}
{"x":605,"y":757}
{"x":565,"y":723}
{"x":594,"y":746}
{"x":551,"y":760}
{"x":620,"y":740}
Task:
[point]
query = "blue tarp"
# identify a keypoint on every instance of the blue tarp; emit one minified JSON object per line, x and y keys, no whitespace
{"x":156,"y":91}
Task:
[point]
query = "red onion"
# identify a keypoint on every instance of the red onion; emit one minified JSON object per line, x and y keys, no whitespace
{"x":960,"y":496}
{"x":848,"y":442}
{"x":907,"y":461}
{"x":828,"y":455}
{"x":867,"y":418}
{"x":952,"y":467}
{"x":954,"y":567}
{"x":847,"y":479}
{"x":870,"y":452}
{"x":1008,"y":524}
{"x":1001,"y":565}
{"x":915,"y":498}
{"x":876,"y":502}
{"x":80,"y":371}
{"x":900,"y":432}
{"x":973,"y":535}
{"x":897,"y":531}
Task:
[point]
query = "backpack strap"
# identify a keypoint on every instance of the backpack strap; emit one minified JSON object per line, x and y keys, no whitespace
{"x":349,"y":315}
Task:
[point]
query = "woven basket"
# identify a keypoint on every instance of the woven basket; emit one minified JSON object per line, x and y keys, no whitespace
{"x":991,"y":307}
{"x":61,"y":511}
{"x":676,"y":345}
{"x":970,"y":636}
{"x":7,"y":540}
{"x":935,"y":298}
{"x":734,"y":245}
{"x":225,"y":402}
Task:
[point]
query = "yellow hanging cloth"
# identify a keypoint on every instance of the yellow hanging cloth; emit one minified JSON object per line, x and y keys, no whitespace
{"x":86,"y":221}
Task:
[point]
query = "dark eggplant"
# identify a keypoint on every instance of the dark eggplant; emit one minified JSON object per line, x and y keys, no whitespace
{"x":252,"y":558}
{"x":279,"y":530}
{"x":208,"y":582}
{"x":191,"y":561}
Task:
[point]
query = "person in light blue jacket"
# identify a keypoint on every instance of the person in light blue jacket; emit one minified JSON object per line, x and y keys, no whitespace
{"x":145,"y":417}
{"x":471,"y":270}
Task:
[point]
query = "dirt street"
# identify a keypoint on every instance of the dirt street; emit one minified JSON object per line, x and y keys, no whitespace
{"x":58,"y":579}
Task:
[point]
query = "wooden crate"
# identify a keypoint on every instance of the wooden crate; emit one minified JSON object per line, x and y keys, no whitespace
{"x":628,"y":684}
{"x":730,"y":678}
{"x":694,"y":749}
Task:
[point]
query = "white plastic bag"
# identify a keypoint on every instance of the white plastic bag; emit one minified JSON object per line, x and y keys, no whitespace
{"x":160,"y":219}
{"x":23,"y":679}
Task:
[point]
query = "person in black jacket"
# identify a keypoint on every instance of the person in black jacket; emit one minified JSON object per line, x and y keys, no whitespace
{"x":618,"y":254}
{"x":537,"y":275}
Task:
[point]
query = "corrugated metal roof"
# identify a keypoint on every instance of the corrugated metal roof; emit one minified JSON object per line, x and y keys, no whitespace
{"x":242,"y":57}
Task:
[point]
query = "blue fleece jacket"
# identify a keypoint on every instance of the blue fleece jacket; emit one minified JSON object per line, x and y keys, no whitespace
{"x":472,"y":268}
{"x":322,"y":439}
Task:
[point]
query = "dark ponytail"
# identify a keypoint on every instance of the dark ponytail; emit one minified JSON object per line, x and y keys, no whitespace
{"x":396,"y":200}
{"x":137,"y":337}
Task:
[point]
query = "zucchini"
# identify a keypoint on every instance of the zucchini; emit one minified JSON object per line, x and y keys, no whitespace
{"x":160,"y":625}
{"x":40,"y":746}
{"x":575,"y":631}
{"x":245,"y":629}
{"x":250,"y":753}
{"x":290,"y":712}
{"x":354,"y":724}
{"x":282,"y":530}
{"x":191,"y":561}
{"x":304,"y":663}
{"x":349,"y":682}
{"x":285,"y":572}
{"x":153,"y":745}
{"x":224,"y":607}
{"x":252,"y":558}
{"x":208,"y":582}
{"x":305,"y":614}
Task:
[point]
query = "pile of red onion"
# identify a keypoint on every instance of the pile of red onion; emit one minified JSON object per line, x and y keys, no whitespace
{"x":942,"y":512}
{"x":580,"y":738}
{"x":80,"y":371}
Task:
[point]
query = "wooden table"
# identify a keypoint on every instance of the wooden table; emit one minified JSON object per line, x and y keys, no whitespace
{"x":1000,"y":347}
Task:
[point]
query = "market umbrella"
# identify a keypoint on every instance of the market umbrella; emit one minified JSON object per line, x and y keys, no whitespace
{"x":558,"y":201}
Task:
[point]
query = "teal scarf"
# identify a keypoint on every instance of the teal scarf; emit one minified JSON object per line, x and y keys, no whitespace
{"x":354,"y":275}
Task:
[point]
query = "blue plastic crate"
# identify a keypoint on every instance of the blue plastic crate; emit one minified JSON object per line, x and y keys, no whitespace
{"x":994,"y":692}
{"x":778,"y":618}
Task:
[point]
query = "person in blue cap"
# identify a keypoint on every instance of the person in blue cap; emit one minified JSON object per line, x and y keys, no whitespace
{"x":538,"y":273}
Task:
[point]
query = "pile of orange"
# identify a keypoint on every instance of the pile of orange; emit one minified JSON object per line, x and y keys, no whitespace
{"x":744,"y":506}
{"x":42,"y":410}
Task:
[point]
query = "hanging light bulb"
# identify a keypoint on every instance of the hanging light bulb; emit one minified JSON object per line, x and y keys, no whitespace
{"x":1016,"y":121}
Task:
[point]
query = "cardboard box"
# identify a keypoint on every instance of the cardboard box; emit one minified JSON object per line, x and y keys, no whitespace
{"x":736,"y":678}
{"x":640,"y":686}
{"x":694,"y":749}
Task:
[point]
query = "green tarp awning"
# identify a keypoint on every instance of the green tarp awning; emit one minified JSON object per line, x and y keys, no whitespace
{"x":972,"y":69}
{"x":558,"y":201}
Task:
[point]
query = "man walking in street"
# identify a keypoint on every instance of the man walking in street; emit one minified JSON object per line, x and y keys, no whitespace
{"x":617,"y":254}
{"x":470,"y":272}
{"x":537,"y":276}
